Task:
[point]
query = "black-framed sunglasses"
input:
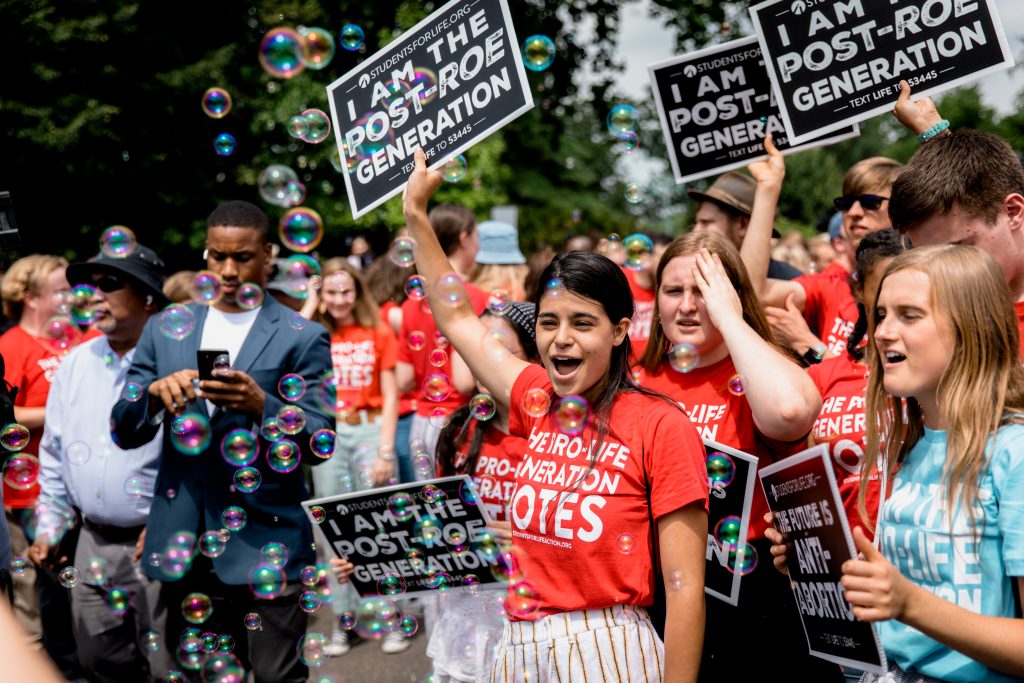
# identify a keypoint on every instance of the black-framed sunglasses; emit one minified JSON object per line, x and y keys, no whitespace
{"x":109,"y":283}
{"x":870,"y":202}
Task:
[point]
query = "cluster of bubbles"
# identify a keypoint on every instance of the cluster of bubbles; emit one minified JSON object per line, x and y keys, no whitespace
{"x":301,"y":229}
{"x":538,"y":52}
{"x":280,"y":185}
{"x":312,"y":126}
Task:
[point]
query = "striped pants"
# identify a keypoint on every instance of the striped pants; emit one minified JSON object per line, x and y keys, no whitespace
{"x":612,"y":644}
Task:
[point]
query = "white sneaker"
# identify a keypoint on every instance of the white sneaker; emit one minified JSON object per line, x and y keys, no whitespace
{"x":339,"y":644}
{"x":393,"y":643}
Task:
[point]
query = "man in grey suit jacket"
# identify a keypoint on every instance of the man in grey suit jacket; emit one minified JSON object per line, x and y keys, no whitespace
{"x":202,"y":487}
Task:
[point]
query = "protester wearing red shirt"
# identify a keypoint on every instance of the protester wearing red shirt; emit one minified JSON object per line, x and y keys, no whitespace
{"x":419,"y":341}
{"x":824,"y":299}
{"x":713,"y":352}
{"x":613,"y":476}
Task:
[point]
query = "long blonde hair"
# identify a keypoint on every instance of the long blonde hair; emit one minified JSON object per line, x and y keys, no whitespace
{"x":982,"y":387}
{"x":365,"y":309}
{"x":688,"y":245}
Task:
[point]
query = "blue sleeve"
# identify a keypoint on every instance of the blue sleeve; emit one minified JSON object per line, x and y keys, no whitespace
{"x":129,"y":420}
{"x":1008,"y":474}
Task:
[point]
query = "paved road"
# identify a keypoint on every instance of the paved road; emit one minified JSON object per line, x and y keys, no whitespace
{"x":365,"y":663}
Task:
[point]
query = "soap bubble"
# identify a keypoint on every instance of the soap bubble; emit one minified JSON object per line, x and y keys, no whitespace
{"x":283,"y":456}
{"x":628,"y":142}
{"x":455,"y":169}
{"x":571,"y":415}
{"x":408,"y":625}
{"x":20,"y":565}
{"x":301,"y":229}
{"x":69,"y":577}
{"x":281,"y":53}
{"x":499,"y":301}
{"x":21,"y":471}
{"x":317,"y":47}
{"x":318,"y":126}
{"x":292,"y":419}
{"x":216,"y":103}
{"x":437,"y":357}
{"x":721,"y":469}
{"x":416,"y":287}
{"x":292,"y":387}
{"x":742,"y":559}
{"x":735,"y":385}
{"x":391,"y":586}
{"x":309,"y":602}
{"x":267,"y":581}
{"x":61,"y":335}
{"x":196,"y":608}
{"x":239,"y":447}
{"x":274,"y":554}
{"x":439,"y":417}
{"x":625,"y":543}
{"x":249,"y":296}
{"x":273,"y":185}
{"x":14,"y":437}
{"x":212,"y":544}
{"x":247,"y":479}
{"x":467,"y":492}
{"x":451,"y":290}
{"x":401,"y":251}
{"x":536,"y":402}
{"x":78,"y":453}
{"x":223,"y":667}
{"x":538,"y":52}
{"x":117,"y":241}
{"x":622,"y":118}
{"x":437,"y":387}
{"x":523,"y":600}
{"x":683,"y":357}
{"x":375,"y":616}
{"x":234,"y":518}
{"x":351,"y":37}
{"x":206,"y":287}
{"x":191,"y":433}
{"x":634,"y":193}
{"x":271,"y":429}
{"x":482,"y":407}
{"x":297,"y":127}
{"x":224,"y":144}
{"x":176,"y":322}
{"x":727,"y":530}
{"x":83,"y":304}
{"x":318,"y":513}
{"x":135,"y":487}
{"x":401,"y":506}
{"x":322,"y":443}
{"x":296,"y":321}
{"x":639,"y":248}
{"x":253,"y":621}
{"x":118,"y":600}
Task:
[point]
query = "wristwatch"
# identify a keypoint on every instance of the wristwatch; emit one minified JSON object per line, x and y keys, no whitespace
{"x":815,"y":354}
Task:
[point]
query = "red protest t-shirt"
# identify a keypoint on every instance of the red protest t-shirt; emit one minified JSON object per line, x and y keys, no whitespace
{"x":720,"y":414}
{"x":842,"y":383}
{"x":359,"y":354}
{"x":830,"y":308}
{"x":495,"y":471}
{"x":29,"y":365}
{"x":416,"y":317}
{"x":643,"y":313}
{"x":582,"y":531}
{"x":406,"y":401}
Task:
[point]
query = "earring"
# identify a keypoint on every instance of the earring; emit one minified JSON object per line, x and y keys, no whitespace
{"x":206,"y":254}
{"x":149,"y":299}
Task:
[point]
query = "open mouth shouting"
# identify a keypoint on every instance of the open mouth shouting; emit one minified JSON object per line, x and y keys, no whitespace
{"x":565,"y":367}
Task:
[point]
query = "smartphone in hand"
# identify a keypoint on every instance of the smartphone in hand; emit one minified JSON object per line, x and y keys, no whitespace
{"x":209,"y":361}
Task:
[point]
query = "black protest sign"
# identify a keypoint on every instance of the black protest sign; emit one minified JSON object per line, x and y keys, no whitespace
{"x":804,"y":500}
{"x":731,"y":477}
{"x":834,"y":62}
{"x":444,"y":84}
{"x":430,"y":533}
{"x":716,"y":105}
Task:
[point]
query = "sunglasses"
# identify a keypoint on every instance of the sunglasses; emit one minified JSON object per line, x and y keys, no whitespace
{"x":870,"y":202}
{"x":109,"y":283}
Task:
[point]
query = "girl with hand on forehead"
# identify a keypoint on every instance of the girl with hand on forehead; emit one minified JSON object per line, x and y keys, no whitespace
{"x":611,"y":472}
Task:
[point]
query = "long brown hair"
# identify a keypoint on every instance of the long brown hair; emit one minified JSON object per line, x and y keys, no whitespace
{"x":365,"y":310}
{"x":687,"y":245}
{"x":982,"y":387}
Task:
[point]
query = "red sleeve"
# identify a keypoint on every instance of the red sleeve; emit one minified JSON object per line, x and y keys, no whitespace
{"x":477,"y":298}
{"x":816,"y":295}
{"x":675,"y":462}
{"x":534,"y":376}
{"x":404,"y":352}
{"x":388,"y":346}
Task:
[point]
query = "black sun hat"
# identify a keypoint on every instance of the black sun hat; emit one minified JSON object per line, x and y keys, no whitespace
{"x":142,"y":266}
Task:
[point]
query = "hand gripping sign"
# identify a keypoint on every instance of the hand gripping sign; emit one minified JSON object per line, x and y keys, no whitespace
{"x":808,"y":511}
{"x":716,"y":105}
{"x":451,"y":80}
{"x":834,"y":62}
